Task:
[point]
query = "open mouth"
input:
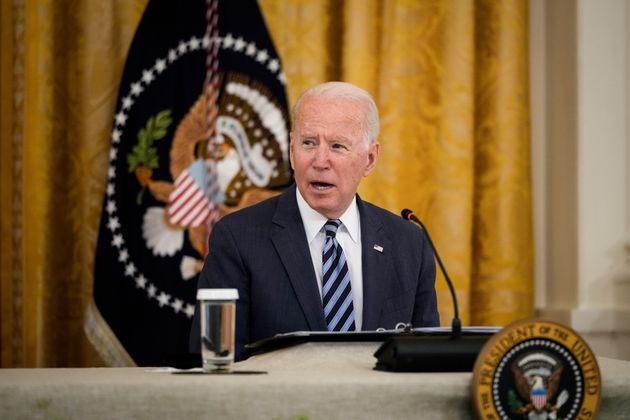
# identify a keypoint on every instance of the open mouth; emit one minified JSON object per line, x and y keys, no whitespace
{"x":321,"y":185}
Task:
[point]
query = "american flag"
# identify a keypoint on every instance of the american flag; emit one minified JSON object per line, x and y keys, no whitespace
{"x":188,"y":204}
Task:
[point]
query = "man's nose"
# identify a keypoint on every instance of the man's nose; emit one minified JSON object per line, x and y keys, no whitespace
{"x":322,"y":156}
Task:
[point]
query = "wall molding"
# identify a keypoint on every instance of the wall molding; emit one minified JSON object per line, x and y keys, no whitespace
{"x":590,"y":320}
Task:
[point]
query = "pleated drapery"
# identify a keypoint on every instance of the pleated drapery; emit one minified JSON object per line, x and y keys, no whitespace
{"x":449,"y":77}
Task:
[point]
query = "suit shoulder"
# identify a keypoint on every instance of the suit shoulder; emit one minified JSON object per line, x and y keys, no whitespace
{"x":390,"y":220}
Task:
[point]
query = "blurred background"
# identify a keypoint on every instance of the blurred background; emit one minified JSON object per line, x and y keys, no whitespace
{"x":504,"y":126}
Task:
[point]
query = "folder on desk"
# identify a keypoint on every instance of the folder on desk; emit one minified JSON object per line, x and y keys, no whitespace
{"x":414,"y":341}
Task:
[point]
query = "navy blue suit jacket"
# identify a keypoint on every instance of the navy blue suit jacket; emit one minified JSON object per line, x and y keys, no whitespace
{"x":262,"y":251}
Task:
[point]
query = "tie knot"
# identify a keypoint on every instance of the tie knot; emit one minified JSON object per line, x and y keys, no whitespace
{"x":331,"y":227}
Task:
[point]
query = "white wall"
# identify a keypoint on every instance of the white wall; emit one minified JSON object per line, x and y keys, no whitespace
{"x":580,"y":68}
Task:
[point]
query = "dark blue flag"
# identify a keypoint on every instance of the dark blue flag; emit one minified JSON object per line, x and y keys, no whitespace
{"x":180,"y":157}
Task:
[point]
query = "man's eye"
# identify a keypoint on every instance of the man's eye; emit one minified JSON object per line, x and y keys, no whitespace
{"x":308,"y":142}
{"x":339,"y":146}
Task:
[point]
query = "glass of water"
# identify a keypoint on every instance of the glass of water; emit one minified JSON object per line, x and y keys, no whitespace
{"x":218,"y":312}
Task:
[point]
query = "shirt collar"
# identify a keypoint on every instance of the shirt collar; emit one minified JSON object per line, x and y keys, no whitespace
{"x":314,"y":221}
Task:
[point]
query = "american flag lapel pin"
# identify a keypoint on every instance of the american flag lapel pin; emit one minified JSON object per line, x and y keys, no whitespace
{"x":378,"y":248}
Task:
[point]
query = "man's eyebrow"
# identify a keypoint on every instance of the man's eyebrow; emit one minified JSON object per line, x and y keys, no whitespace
{"x":341,"y":138}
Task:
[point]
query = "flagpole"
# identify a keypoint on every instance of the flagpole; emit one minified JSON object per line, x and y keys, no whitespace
{"x":212,"y":110}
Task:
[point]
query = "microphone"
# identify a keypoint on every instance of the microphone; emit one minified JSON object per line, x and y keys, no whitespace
{"x":456,"y":325}
{"x":433,"y":350}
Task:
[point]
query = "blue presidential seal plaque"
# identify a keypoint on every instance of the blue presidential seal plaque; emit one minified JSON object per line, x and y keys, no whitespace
{"x":536,"y":370}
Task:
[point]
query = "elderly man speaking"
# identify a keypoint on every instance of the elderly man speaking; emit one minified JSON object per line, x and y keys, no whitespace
{"x":317,"y":257}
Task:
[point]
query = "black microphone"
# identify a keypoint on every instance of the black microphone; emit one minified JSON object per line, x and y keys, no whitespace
{"x":456,"y":325}
{"x":433,"y":350}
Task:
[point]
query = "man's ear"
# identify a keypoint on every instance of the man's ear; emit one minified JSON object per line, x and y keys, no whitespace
{"x":291,"y":142}
{"x":372,"y":158}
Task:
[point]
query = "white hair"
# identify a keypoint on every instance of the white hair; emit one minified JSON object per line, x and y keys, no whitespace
{"x":343,"y":90}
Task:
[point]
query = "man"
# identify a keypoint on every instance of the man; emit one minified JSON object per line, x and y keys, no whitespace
{"x":317,"y":257}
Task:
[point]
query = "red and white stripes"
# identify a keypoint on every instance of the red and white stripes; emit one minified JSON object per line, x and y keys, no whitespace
{"x":189,"y":205}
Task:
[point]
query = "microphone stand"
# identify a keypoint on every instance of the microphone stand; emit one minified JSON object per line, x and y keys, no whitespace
{"x":432,"y":352}
{"x":456,"y":325}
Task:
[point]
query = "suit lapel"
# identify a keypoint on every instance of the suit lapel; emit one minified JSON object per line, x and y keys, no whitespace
{"x":375,"y":246}
{"x":290,"y":242}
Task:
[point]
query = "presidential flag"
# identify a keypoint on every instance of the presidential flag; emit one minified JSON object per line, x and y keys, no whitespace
{"x":201,"y":121}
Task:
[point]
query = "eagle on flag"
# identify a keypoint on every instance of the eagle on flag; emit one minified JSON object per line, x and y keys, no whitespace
{"x":201,"y":128}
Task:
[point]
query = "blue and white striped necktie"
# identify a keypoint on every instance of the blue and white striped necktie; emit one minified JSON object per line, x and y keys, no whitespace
{"x":336,"y":288}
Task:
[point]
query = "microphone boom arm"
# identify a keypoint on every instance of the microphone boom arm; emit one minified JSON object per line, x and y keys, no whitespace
{"x":456,"y":324}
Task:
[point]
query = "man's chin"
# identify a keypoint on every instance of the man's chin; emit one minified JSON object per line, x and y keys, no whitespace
{"x":325,"y":206}
{"x":328,"y":211}
{"x":320,"y":195}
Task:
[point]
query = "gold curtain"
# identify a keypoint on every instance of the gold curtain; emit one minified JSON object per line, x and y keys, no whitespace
{"x":451,"y":82}
{"x":61,"y":66}
{"x":450,"y":79}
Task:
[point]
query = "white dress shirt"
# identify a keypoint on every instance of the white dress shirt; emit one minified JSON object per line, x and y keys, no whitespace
{"x":349,"y":237}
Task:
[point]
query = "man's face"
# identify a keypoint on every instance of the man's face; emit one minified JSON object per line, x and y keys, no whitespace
{"x":329,"y":154}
